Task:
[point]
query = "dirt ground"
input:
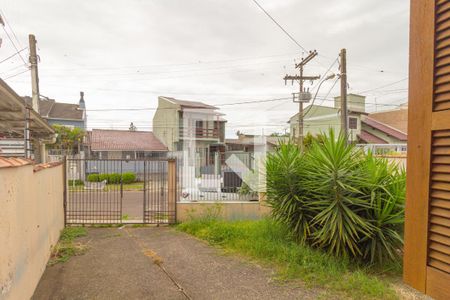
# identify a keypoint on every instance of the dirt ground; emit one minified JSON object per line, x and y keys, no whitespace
{"x":158,"y":263}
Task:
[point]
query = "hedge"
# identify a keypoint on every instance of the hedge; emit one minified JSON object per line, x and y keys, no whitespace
{"x":112,"y":178}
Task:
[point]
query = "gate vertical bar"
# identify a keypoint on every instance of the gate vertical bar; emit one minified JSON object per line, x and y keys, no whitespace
{"x":171,"y":197}
{"x":121,"y":189}
{"x":144,"y":217}
{"x":65,"y":189}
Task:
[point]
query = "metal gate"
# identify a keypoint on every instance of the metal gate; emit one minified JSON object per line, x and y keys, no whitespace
{"x":117,"y":191}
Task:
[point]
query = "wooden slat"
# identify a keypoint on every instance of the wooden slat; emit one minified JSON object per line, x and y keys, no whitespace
{"x":440,"y":256}
{"x":442,"y":239}
{"x":443,"y":186}
{"x":442,"y":44}
{"x":442,"y":212}
{"x":440,"y":168}
{"x":441,"y":266}
{"x":442,"y":106}
{"x":440,"y":133}
{"x":440,"y":120}
{"x":441,"y":18}
{"x":443,"y":78}
{"x":443,"y":221}
{"x":443,"y":88}
{"x":440,"y":229}
{"x":441,"y":141}
{"x":442,"y":71}
{"x":441,"y":160}
{"x":443,"y":7}
{"x":443,"y":248}
{"x":440,"y":203}
{"x":440,"y":195}
{"x":441,"y":150}
{"x":441,"y":177}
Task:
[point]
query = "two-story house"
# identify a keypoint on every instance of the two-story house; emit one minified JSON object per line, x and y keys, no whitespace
{"x":318,"y":118}
{"x":66,"y":114}
{"x":193,"y":127}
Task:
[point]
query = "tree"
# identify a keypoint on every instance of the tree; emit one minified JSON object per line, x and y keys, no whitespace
{"x":68,"y":139}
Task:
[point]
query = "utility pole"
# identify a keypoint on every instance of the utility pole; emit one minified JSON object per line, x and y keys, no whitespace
{"x":303,"y":96}
{"x":344,"y":111}
{"x":34,"y":72}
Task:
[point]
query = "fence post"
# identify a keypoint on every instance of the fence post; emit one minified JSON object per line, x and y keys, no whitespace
{"x":65,"y":190}
{"x":172,"y":190}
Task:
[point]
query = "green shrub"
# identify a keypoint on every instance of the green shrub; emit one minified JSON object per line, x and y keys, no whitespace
{"x":93,"y":178}
{"x":128,"y":177}
{"x":336,"y":198}
{"x":76,"y":182}
{"x":103,"y":177}
{"x":114,"y":178}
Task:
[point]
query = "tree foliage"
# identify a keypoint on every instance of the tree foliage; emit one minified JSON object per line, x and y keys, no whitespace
{"x":67,"y":138}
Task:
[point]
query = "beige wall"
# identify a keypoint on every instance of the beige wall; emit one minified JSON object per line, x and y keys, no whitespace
{"x":165,"y":123}
{"x":228,"y":210}
{"x":31,"y":218}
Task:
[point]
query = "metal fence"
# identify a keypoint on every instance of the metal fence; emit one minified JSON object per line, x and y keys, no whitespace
{"x":120,"y":191}
{"x":227,"y":179}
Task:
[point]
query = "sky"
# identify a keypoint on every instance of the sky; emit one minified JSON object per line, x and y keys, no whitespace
{"x":124,"y":54}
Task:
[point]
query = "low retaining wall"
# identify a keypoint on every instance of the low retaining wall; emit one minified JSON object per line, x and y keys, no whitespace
{"x":31,"y":218}
{"x":226,"y":210}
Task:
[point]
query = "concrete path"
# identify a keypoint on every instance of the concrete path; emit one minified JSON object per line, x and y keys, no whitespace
{"x":158,"y":263}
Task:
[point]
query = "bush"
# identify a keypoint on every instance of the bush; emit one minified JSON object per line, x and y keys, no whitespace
{"x":93,"y":178}
{"x":337,"y":198}
{"x":76,"y":182}
{"x":128,"y":177}
{"x":103,"y":177}
{"x":114,"y":178}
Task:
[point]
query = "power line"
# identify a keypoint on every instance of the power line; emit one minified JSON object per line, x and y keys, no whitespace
{"x":12,"y":42}
{"x":10,"y":28}
{"x":17,"y":74}
{"x":383,"y":86}
{"x":281,"y":27}
{"x":11,"y":56}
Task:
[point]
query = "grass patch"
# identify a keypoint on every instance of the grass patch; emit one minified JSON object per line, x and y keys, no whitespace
{"x":270,"y":243}
{"x":66,"y":247}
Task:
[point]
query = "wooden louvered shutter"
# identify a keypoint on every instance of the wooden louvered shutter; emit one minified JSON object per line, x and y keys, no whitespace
{"x":427,"y":224}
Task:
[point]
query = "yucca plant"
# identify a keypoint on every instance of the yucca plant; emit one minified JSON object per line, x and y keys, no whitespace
{"x":337,"y":198}
{"x":331,"y":169}
{"x":384,"y":185}
{"x":285,"y":195}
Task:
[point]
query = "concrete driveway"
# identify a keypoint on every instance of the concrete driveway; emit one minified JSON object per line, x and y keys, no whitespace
{"x":158,"y":263}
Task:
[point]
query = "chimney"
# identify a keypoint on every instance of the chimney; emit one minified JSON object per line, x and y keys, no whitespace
{"x":81,"y":103}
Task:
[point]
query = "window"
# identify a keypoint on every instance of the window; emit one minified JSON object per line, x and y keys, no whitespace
{"x":352,"y":123}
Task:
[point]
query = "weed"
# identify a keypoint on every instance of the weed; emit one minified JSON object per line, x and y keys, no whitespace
{"x":125,"y":217}
{"x":66,"y":247}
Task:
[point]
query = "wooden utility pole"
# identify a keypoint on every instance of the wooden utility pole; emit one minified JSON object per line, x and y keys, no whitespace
{"x":344,"y":110}
{"x":34,"y":72}
{"x":303,"y":96}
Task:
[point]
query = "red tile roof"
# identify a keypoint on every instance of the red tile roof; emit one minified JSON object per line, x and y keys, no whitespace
{"x":370,"y":138}
{"x":124,"y":140}
{"x":385,"y":128}
{"x":9,"y":162}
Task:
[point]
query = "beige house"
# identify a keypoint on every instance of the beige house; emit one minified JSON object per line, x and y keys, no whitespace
{"x":318,"y":118}
{"x":191,"y":126}
{"x":386,"y":127}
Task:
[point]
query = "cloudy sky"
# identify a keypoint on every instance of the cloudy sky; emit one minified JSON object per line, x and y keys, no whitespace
{"x":125,"y":53}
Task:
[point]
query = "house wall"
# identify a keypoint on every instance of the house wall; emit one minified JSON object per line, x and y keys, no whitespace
{"x":69,"y":123}
{"x":31,"y":218}
{"x":166,"y":123}
{"x":319,"y":119}
{"x":382,"y":135}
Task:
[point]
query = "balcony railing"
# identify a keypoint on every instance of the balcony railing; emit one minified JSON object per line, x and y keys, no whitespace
{"x":207,"y":133}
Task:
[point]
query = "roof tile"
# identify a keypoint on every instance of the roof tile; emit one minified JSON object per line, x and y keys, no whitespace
{"x":124,"y":140}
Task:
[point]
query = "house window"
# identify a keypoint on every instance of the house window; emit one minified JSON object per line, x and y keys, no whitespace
{"x":352,"y":123}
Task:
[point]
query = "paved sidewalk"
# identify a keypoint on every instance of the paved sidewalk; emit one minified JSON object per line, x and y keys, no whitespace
{"x":158,"y":263}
